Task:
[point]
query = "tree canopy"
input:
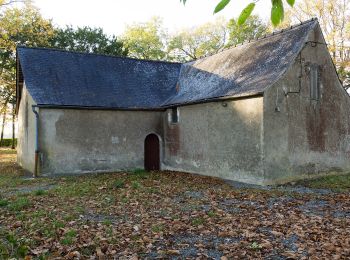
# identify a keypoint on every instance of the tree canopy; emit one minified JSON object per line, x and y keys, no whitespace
{"x":19,"y":26}
{"x":334,"y":19}
{"x":195,"y":42}
{"x":210,"y":38}
{"x":254,"y":27}
{"x":87,"y":39}
{"x":146,"y":40}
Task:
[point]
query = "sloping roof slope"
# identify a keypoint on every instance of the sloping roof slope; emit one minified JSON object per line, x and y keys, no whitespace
{"x":244,"y":70}
{"x":62,"y":78}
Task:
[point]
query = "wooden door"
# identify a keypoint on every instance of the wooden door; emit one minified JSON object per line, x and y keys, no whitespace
{"x":152,"y":156}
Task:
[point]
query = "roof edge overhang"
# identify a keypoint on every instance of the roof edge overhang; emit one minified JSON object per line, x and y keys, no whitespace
{"x":162,"y":108}
{"x":217,"y":99}
{"x":77,"y":107}
{"x":19,"y":82}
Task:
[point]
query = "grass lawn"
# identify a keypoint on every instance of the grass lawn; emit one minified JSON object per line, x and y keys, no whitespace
{"x":168,"y":215}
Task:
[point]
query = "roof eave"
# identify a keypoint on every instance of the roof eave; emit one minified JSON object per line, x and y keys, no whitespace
{"x":217,"y":99}
{"x":77,"y":107}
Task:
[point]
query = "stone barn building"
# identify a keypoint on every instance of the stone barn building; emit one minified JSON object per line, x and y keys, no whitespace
{"x":268,"y":111}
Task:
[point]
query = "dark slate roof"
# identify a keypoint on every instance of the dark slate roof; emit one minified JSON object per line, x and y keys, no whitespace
{"x":244,"y":70}
{"x":61,"y":78}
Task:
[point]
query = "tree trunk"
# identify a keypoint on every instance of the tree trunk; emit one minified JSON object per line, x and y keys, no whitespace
{"x":13,"y":126}
{"x":3,"y":126}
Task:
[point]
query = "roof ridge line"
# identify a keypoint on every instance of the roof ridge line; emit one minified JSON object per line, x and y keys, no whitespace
{"x":94,"y":54}
{"x":260,"y":38}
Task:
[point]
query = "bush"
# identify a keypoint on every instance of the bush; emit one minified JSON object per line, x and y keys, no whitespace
{"x":7,"y":142}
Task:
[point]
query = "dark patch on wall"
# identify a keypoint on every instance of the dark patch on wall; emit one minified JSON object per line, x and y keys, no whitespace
{"x":173,"y":138}
{"x":315,"y":125}
{"x":317,"y":35}
{"x":325,"y":125}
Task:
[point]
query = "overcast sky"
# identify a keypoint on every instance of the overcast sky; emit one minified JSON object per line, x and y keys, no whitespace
{"x":113,"y":15}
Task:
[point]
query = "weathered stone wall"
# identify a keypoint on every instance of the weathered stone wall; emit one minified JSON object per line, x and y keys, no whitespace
{"x":304,"y":137}
{"x":79,"y":141}
{"x":26,"y":132}
{"x":222,"y":139}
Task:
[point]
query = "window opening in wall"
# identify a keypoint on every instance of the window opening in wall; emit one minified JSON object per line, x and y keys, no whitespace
{"x":314,"y":82}
{"x":174,"y":115}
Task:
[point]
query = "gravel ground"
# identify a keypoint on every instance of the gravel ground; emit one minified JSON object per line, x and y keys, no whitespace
{"x":29,"y":189}
{"x":282,"y":188}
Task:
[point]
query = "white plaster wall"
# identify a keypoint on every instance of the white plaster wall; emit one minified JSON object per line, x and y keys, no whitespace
{"x":26,"y":132}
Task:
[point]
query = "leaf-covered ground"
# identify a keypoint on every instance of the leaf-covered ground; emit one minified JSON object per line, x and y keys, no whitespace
{"x":169,"y":215}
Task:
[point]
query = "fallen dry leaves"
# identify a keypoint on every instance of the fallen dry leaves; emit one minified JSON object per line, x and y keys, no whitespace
{"x":171,"y":215}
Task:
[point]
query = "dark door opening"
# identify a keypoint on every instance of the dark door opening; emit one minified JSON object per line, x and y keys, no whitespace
{"x":152,"y":157}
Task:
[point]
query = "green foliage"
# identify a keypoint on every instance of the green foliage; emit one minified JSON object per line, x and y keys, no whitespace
{"x":26,"y":26}
{"x":87,"y":39}
{"x":135,"y":185}
{"x":39,"y":192}
{"x":221,"y":5}
{"x":245,"y":13}
{"x":107,"y":222}
{"x":198,"y":221}
{"x":146,"y":40}
{"x":7,"y":142}
{"x":157,"y":228}
{"x":57,"y":224}
{"x":209,"y":38}
{"x":69,"y":237}
{"x":277,"y":12}
{"x":139,"y":171}
{"x":344,"y":74}
{"x":19,"y":26}
{"x":199,"y":41}
{"x":291,"y":2}
{"x":255,"y":246}
{"x":3,"y":203}
{"x":139,"y":174}
{"x":252,"y":28}
{"x":19,"y":204}
{"x":119,"y":184}
{"x":211,"y":214}
{"x":11,"y":246}
{"x":339,"y":183}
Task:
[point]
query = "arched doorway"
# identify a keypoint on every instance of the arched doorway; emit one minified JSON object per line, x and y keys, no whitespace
{"x":152,"y":155}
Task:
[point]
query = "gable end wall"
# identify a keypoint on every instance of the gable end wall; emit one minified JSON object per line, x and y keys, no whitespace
{"x":306,"y":137}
